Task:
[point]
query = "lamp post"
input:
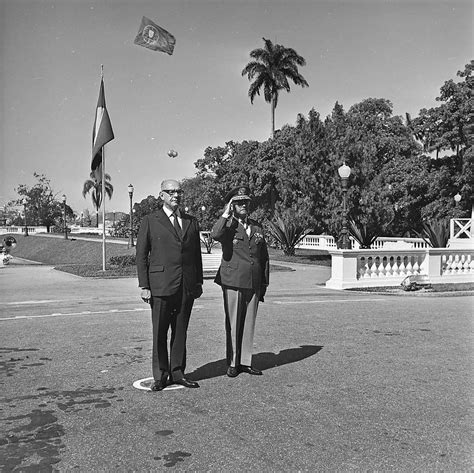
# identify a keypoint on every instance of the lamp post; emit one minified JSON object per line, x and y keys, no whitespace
{"x":457,"y":198}
{"x":344,"y":173}
{"x":24,"y":202}
{"x":64,"y":211}
{"x":82,"y":219}
{"x":203,"y":209}
{"x":130,"y":193}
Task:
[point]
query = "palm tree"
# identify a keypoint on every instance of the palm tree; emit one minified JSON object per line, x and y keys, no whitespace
{"x":93,"y":186}
{"x":272,"y":66}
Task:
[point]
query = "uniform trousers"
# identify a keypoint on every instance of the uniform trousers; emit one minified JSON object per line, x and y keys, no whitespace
{"x":240,"y":307}
{"x":170,"y":311}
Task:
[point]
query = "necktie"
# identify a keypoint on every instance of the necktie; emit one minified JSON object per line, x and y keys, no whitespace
{"x":176,"y":226}
{"x":247,"y":227}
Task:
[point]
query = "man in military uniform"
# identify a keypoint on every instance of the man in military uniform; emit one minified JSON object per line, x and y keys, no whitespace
{"x":243,"y":276}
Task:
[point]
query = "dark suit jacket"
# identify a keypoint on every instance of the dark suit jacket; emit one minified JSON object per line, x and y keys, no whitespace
{"x":163,"y":259}
{"x":245,"y":262}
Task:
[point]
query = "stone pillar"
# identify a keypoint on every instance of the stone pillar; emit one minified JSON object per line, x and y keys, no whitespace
{"x":343,"y":269}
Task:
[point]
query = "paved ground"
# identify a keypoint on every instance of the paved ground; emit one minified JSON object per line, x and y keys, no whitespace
{"x":352,"y":382}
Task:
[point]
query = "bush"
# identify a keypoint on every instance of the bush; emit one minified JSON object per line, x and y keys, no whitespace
{"x":435,"y":233}
{"x":364,"y":234}
{"x":122,"y":261}
{"x":287,"y":232}
{"x":208,"y":241}
{"x":58,"y":229}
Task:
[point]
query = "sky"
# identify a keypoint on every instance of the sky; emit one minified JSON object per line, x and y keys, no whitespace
{"x":51,"y":53}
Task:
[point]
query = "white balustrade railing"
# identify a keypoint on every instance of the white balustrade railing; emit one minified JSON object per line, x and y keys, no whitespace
{"x":325,"y":242}
{"x":18,"y":229}
{"x":378,"y":268}
{"x":461,"y":228}
{"x":456,"y":263}
{"x":389,"y":265}
{"x":33,"y":230}
{"x":320,"y":242}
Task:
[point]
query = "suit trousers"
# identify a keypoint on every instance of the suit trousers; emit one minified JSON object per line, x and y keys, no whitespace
{"x":240,"y":307}
{"x":170,"y":311}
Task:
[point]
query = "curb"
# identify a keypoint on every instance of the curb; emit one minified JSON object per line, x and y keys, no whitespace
{"x":414,"y":294}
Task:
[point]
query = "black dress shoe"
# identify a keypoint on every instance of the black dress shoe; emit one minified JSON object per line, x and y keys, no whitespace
{"x":187,"y":383}
{"x":250,"y":370}
{"x":160,"y":385}
{"x":232,"y":371}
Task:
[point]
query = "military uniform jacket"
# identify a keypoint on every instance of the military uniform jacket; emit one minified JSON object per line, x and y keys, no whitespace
{"x":163,"y":259}
{"x":245,"y":262}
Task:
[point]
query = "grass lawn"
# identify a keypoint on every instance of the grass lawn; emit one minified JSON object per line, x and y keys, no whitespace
{"x":319,"y":257}
{"x":80,"y":257}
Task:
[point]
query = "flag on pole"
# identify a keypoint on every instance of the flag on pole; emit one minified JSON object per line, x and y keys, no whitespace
{"x":152,"y":36}
{"x":102,"y":132}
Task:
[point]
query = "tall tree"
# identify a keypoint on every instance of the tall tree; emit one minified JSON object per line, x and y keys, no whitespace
{"x":95,"y":188}
{"x":450,"y":128}
{"x":270,"y":69}
{"x":43,"y":205}
{"x":368,"y":139}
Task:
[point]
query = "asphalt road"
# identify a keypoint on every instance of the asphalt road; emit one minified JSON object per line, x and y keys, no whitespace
{"x":352,"y":382}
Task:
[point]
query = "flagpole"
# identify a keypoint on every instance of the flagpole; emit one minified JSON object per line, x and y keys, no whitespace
{"x":103,"y":191}
{"x":103,"y":208}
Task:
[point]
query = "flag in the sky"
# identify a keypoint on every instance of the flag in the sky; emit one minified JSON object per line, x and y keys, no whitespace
{"x":102,"y":132}
{"x":152,"y":36}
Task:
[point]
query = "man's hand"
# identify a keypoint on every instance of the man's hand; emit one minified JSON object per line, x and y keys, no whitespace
{"x":146,"y":295}
{"x":228,"y":209}
{"x":263,"y":291}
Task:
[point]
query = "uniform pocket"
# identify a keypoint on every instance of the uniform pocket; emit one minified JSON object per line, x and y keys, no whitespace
{"x":230,"y":265}
{"x":155,"y":269}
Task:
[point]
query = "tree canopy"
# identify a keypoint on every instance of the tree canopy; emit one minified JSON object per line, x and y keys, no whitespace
{"x":43,"y":206}
{"x":270,"y":69}
{"x":396,"y":182}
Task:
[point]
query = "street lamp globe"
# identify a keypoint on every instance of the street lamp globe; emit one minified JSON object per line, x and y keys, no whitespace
{"x":64,"y":198}
{"x":457,"y":198}
{"x":344,"y":171}
{"x":203,"y":208}
{"x":24,"y":201}
{"x":130,"y":190}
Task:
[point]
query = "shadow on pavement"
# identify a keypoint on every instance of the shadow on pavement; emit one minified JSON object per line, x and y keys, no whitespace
{"x":262,"y":361}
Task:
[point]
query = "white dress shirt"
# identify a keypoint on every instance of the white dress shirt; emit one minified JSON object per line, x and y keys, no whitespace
{"x":171,"y":215}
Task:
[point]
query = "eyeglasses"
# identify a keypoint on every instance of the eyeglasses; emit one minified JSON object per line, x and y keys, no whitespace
{"x":173,"y":191}
{"x":242,"y":202}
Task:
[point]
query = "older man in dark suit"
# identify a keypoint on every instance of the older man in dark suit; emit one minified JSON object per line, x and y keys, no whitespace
{"x":243,"y":275}
{"x":169,"y":265}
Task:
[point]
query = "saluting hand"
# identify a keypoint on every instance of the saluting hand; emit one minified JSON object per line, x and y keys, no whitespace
{"x":228,"y":209}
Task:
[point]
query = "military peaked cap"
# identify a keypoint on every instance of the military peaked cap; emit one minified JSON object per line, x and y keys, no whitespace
{"x":238,"y":193}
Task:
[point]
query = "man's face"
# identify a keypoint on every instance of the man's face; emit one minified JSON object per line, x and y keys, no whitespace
{"x":171,"y":194}
{"x":241,"y":208}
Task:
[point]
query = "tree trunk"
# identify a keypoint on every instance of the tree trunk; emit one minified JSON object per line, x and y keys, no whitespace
{"x":273,"y":117}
